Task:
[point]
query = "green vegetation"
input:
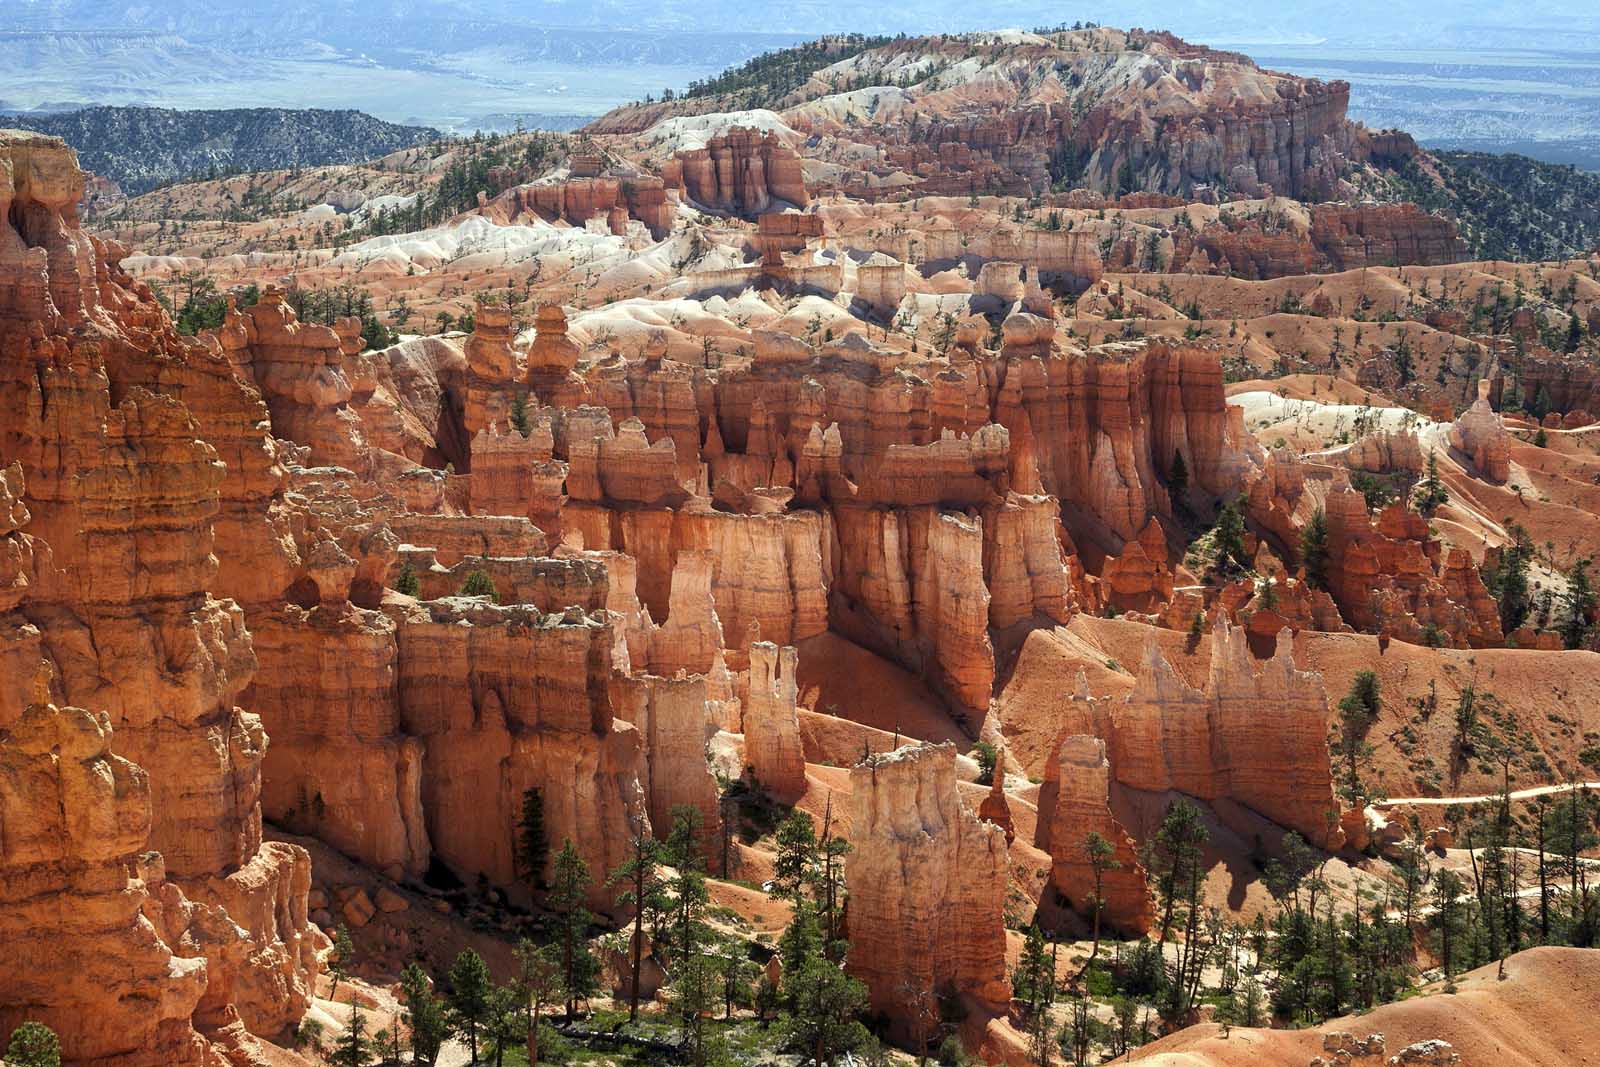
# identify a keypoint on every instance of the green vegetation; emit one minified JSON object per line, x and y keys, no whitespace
{"x":33,"y":1045}
{"x":1509,"y":206}
{"x":766,"y":79}
{"x":478,"y":583}
{"x":1314,"y":550}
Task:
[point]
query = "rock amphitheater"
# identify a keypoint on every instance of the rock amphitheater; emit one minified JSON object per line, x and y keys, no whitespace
{"x":819,"y":459}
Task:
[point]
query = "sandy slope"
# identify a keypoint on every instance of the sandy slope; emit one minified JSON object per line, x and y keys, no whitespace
{"x":1542,"y":1015}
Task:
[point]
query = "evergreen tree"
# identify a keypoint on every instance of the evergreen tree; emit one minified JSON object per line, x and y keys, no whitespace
{"x":532,"y":847}
{"x":987,"y":756}
{"x":1446,"y":918}
{"x":506,"y":1025}
{"x":1357,"y":710}
{"x":1580,"y":600}
{"x":406,"y":582}
{"x":468,"y":998}
{"x":1102,"y":858}
{"x":33,"y":1045}
{"x":478,"y":583}
{"x":827,"y":1004}
{"x":424,"y":1015}
{"x":579,"y":968}
{"x":539,"y":978}
{"x":353,"y":1048}
{"x":1174,"y":859}
{"x":642,"y":891}
{"x":1431,"y":493}
{"x":794,"y":866}
{"x":519,"y":414}
{"x":1228,"y":548}
{"x":1314,"y":550}
{"x":1178,"y":480}
{"x":344,"y":954}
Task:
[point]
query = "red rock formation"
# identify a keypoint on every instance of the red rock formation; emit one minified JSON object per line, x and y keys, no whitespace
{"x":1482,"y":437}
{"x":927,"y":883}
{"x":76,"y":891}
{"x":505,"y":699}
{"x":516,"y":475}
{"x":491,"y":367}
{"x":1388,"y":576}
{"x":1075,"y":801}
{"x":742,"y":171}
{"x":115,"y":476}
{"x":1257,"y":739}
{"x":299,"y":368}
{"x":773,"y":750}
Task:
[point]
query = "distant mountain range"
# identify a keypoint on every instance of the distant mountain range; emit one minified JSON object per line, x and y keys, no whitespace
{"x":144,"y":147}
{"x":1499,"y":75}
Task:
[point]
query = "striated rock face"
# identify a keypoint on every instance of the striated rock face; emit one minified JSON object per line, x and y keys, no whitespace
{"x":927,"y":883}
{"x":1482,"y":437}
{"x":1388,"y":576}
{"x":773,"y":749}
{"x":505,"y":699}
{"x":1257,"y":739}
{"x":300,"y":370}
{"x":339,"y":767}
{"x":108,"y":465}
{"x":911,"y":583}
{"x":743,"y":172}
{"x":588,"y":196}
{"x":516,"y":475}
{"x":76,"y":890}
{"x":491,"y":367}
{"x":676,"y":718}
{"x":1074,"y":802}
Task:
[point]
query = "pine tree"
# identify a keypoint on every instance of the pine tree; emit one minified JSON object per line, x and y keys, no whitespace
{"x":1431,"y":493}
{"x":1580,"y":600}
{"x":470,"y":989}
{"x":353,"y":1048}
{"x":539,"y":977}
{"x":794,"y":867}
{"x":827,"y":1004}
{"x":33,"y":1045}
{"x":478,"y":583}
{"x":1178,"y":480}
{"x":406,"y":582}
{"x":1228,"y":544}
{"x":344,"y":954}
{"x":1446,"y":919}
{"x":1357,"y":710}
{"x":579,"y":969}
{"x":1314,"y":550}
{"x":1102,"y":858}
{"x":642,"y":891}
{"x":519,"y":414}
{"x":424,"y":1015}
{"x":532,"y":848}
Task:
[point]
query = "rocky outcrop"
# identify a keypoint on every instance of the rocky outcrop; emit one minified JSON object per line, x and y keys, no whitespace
{"x":774,"y":752}
{"x":77,"y":887}
{"x":742,"y":172}
{"x":1480,"y":435}
{"x":1255,"y":738}
{"x":927,"y":883}
{"x":300,"y":369}
{"x":491,"y":367}
{"x":1392,"y":576}
{"x":108,"y":466}
{"x":505,"y":699}
{"x":1074,"y":802}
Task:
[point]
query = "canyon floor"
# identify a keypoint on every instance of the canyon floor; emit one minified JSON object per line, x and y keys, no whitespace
{"x":1009,"y":547}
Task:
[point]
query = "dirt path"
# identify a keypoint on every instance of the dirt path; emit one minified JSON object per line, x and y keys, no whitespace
{"x":1516,"y":794}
